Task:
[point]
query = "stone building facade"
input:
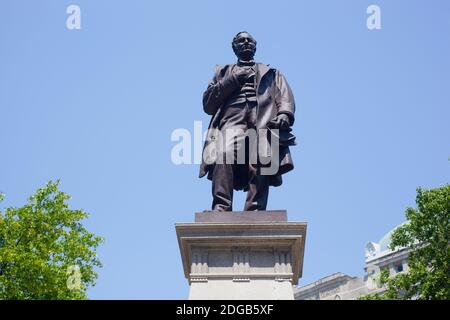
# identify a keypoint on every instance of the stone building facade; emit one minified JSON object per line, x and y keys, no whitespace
{"x":339,"y":286}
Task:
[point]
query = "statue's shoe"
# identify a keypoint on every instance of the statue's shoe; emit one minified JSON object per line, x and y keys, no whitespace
{"x":214,"y":210}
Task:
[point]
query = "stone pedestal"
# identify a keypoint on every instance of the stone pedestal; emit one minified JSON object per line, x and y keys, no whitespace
{"x":242,"y":255}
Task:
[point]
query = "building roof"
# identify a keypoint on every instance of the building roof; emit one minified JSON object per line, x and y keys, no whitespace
{"x":385,"y":240}
{"x":338,"y":276}
{"x":380,"y":248}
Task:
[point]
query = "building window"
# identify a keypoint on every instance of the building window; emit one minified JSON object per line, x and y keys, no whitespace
{"x":398,"y":268}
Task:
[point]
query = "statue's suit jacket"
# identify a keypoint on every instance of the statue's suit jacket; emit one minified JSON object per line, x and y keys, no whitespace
{"x":274,"y":97}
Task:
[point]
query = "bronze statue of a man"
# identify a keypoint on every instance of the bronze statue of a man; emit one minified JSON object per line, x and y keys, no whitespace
{"x":246,"y":96}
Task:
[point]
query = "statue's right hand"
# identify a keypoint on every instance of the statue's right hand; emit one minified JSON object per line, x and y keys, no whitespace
{"x":242,"y":74}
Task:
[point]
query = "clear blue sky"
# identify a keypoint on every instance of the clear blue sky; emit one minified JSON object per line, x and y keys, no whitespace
{"x":96,"y":107}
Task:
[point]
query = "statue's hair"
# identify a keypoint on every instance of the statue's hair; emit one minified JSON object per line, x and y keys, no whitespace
{"x":237,"y":35}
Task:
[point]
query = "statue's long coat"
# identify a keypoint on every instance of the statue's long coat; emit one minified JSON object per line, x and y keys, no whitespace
{"x":274,"y":97}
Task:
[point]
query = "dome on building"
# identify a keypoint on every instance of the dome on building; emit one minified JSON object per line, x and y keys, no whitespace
{"x":386,"y":239}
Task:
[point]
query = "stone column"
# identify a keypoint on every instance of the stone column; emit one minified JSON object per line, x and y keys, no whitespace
{"x":242,"y":255}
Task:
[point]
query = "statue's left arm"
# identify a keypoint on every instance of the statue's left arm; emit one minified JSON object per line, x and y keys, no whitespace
{"x":284,"y":98}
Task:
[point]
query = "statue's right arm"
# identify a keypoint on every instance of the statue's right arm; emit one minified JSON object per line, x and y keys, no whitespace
{"x":218,"y":91}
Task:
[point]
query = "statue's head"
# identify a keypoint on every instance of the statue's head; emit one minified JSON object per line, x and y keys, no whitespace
{"x":244,"y":45}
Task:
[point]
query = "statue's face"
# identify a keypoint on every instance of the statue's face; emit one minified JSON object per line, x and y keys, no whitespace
{"x":244,"y":46}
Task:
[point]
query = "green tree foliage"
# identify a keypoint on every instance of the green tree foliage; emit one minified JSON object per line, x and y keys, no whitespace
{"x":45,"y":252}
{"x":427,"y":235}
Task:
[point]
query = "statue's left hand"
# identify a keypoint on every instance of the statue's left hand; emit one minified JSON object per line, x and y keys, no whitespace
{"x":281,"y":121}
